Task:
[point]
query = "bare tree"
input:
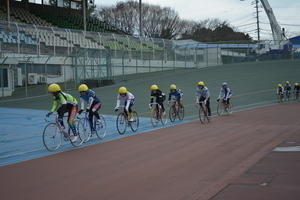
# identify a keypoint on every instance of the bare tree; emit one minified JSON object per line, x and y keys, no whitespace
{"x":157,"y":21}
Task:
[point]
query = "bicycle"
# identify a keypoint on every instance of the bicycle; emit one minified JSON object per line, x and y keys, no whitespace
{"x":203,"y":113}
{"x":123,"y":122}
{"x":296,"y":96}
{"x":280,"y":97}
{"x":157,"y":115}
{"x":223,"y":107}
{"x":54,"y":133}
{"x":176,"y":110}
{"x":98,"y":129}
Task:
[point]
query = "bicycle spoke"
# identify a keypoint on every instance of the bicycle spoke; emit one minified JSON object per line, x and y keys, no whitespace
{"x":101,"y":127}
{"x":52,"y":137}
{"x":134,"y":124}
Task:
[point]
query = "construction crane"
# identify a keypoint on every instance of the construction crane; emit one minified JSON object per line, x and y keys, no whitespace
{"x":280,"y":44}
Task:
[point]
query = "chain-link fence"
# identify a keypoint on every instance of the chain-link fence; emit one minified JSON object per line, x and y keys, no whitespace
{"x":33,"y":56}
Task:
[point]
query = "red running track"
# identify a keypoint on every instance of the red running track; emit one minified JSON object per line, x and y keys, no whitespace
{"x":186,"y":161}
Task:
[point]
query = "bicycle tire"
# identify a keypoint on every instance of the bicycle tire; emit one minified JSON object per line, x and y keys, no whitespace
{"x":172,"y":113}
{"x":163,"y":118}
{"x":80,"y":130}
{"x":52,"y":138}
{"x":134,"y":125}
{"x":154,"y":116}
{"x":202,"y":115}
{"x":100,"y":128}
{"x":230,"y":108}
{"x":220,"y":108}
{"x":86,"y":124}
{"x":181,"y":113}
{"x":121,"y":123}
{"x":296,"y":96}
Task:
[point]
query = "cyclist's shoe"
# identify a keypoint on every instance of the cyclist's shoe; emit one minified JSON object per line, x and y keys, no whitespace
{"x":98,"y":121}
{"x":131,"y":119}
{"x":75,"y":138}
{"x":164,"y":113}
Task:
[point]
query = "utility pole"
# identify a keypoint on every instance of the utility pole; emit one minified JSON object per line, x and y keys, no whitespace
{"x":140,"y":9}
{"x":257,"y":21}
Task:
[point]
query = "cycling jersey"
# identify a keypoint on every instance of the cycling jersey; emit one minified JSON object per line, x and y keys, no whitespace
{"x":204,"y":92}
{"x":89,"y":97}
{"x":288,"y":87}
{"x":225,"y":93}
{"x":129,"y":98}
{"x":177,"y":94}
{"x":280,"y":90}
{"x":63,"y":99}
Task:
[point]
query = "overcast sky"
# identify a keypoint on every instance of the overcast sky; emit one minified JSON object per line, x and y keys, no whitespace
{"x":240,"y":14}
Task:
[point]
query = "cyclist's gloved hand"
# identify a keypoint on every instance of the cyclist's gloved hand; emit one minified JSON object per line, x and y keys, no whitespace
{"x":59,"y":119}
{"x":48,"y":114}
{"x":87,"y":110}
{"x":80,"y":111}
{"x":116,"y":109}
{"x":218,"y":99}
{"x":150,"y":106}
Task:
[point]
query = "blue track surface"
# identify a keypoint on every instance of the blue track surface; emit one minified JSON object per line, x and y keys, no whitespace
{"x":21,"y":134}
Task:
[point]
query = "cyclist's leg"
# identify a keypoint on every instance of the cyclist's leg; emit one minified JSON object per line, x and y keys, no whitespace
{"x":60,"y":112}
{"x":72,"y":111}
{"x":160,"y":100}
{"x":95,"y":107}
{"x":208,"y":106}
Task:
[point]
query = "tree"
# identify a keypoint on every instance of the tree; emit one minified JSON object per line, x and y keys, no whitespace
{"x":156,"y":20}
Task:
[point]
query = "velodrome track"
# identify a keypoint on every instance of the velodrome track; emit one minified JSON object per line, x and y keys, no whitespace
{"x":186,"y":161}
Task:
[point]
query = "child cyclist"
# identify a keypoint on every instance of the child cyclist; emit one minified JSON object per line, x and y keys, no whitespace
{"x":296,"y":88}
{"x":280,"y":91}
{"x":203,"y":95}
{"x":160,"y":97}
{"x":225,"y":94}
{"x":129,"y":102}
{"x":68,"y":104}
{"x":287,"y":89}
{"x":177,"y":95}
{"x":93,"y":104}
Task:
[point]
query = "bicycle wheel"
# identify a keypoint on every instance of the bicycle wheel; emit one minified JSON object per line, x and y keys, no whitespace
{"x":220,"y":108}
{"x":296,"y":96}
{"x":121,"y":123}
{"x":287,"y":95}
{"x":202,"y":115}
{"x":101,"y":127}
{"x":230,"y":108}
{"x":164,"y":118}
{"x":181,"y":113}
{"x":172,"y":113}
{"x":154,"y":116}
{"x":52,"y":137}
{"x":87,"y":134}
{"x":134,"y":125}
{"x":80,"y":131}
{"x":279,"y":98}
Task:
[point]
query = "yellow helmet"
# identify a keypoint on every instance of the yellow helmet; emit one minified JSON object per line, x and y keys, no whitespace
{"x":122,"y":90}
{"x":154,"y":87}
{"x":279,"y":85}
{"x":173,"y":87}
{"x":296,"y":84}
{"x":82,"y":88}
{"x":201,"y":83}
{"x":287,"y":82}
{"x":54,"y":88}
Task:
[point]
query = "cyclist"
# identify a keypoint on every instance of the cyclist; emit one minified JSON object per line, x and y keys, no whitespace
{"x":93,"y":104}
{"x":280,"y":90}
{"x":160,"y":97}
{"x":129,"y":101}
{"x":177,"y":95}
{"x":296,"y":88}
{"x":226,"y":94}
{"x":68,"y":104}
{"x":287,"y":88}
{"x":203,"y":95}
